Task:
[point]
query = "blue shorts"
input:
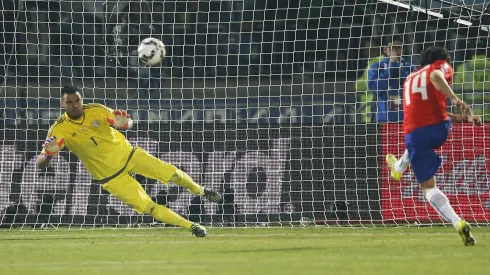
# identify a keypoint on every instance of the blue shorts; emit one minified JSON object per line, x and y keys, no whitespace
{"x":421,"y":143}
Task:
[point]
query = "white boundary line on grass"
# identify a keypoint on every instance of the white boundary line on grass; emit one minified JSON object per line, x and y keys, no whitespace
{"x":211,"y":235}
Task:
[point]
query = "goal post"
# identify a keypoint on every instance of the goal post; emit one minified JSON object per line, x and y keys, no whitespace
{"x":266,"y":101}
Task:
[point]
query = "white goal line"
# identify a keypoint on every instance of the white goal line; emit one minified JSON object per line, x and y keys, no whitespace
{"x":232,"y":235}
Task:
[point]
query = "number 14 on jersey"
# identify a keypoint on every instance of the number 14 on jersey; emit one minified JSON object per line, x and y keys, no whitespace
{"x":416,"y":83}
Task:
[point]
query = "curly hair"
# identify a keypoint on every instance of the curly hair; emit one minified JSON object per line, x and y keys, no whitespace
{"x":433,"y":54}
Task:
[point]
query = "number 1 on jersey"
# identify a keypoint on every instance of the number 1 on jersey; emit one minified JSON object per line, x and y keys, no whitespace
{"x":419,"y":87}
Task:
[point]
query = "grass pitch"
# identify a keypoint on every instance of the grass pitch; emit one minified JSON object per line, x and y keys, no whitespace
{"x":263,"y":251}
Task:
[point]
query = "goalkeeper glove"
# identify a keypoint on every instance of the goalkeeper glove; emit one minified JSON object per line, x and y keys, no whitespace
{"x":52,"y":147}
{"x":121,"y":120}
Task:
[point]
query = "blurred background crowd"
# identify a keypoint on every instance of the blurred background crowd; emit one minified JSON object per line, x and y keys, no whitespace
{"x":334,"y":40}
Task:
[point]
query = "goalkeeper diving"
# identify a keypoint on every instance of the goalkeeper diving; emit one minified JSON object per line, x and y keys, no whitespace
{"x":90,"y":132}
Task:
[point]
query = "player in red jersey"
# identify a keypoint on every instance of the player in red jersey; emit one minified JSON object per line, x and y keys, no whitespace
{"x":426,"y":126}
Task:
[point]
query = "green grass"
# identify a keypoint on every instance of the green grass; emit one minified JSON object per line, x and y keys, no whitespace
{"x":262,"y":251}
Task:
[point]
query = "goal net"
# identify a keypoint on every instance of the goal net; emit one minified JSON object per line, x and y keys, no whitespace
{"x":266,"y":101}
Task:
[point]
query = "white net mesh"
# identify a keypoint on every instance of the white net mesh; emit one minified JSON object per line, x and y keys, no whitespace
{"x":266,"y":101}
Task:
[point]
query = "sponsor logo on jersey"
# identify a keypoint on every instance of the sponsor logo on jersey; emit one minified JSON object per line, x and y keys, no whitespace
{"x":96,"y":123}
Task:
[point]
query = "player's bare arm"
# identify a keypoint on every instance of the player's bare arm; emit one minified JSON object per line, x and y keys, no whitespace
{"x":440,"y":83}
{"x":476,"y":120}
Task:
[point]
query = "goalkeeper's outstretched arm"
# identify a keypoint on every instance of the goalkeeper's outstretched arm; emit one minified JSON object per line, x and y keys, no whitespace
{"x":51,"y":147}
{"x":120,"y":120}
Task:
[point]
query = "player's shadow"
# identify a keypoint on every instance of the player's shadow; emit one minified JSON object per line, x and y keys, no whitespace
{"x":273,"y":249}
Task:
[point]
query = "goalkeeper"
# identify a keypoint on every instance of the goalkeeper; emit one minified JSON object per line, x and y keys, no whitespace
{"x":89,"y":131}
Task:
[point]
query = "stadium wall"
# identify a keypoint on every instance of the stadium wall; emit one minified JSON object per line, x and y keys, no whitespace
{"x":305,"y":159}
{"x":270,"y":173}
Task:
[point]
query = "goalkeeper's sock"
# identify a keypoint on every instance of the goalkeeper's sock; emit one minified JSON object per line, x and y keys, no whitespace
{"x":402,"y":164}
{"x":184,"y":180}
{"x":165,"y":215}
{"x":441,"y":204}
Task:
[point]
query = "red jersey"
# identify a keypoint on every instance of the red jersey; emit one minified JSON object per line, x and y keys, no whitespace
{"x":423,"y":104}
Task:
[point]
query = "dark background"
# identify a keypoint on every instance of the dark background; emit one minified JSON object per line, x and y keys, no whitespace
{"x":313,"y":51}
{"x":322,"y":165}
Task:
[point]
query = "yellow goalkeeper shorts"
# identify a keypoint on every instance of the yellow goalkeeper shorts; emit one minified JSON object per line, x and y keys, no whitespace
{"x":129,"y":191}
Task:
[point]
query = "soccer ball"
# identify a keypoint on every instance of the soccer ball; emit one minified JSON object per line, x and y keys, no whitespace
{"x":151,"y":51}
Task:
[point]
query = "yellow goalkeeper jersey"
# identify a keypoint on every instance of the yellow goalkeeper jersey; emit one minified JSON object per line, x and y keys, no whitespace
{"x":102,"y":149}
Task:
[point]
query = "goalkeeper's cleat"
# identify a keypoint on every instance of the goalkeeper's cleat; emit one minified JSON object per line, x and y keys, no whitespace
{"x":212,"y":195}
{"x":391,"y":160}
{"x":464,"y":232}
{"x":198,"y":230}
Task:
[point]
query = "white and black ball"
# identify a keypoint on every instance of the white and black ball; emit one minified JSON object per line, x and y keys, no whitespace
{"x":151,"y":51}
